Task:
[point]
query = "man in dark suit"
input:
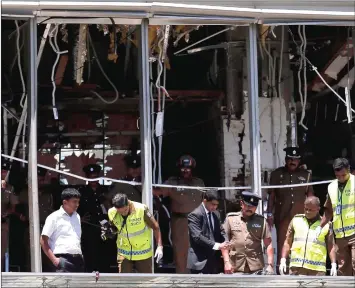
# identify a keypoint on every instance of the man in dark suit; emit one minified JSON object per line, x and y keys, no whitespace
{"x":207,"y":238}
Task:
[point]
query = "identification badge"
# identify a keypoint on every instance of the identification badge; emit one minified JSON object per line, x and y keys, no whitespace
{"x":338,"y":210}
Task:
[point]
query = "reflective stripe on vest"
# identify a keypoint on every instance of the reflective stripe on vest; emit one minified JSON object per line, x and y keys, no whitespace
{"x":308,"y":251}
{"x":134,"y":242}
{"x":133,"y":234}
{"x":134,"y":252}
{"x":302,"y":239}
{"x":343,"y":223}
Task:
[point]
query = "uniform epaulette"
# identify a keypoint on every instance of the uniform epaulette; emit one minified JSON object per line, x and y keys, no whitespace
{"x":233,"y":214}
{"x":299,"y":215}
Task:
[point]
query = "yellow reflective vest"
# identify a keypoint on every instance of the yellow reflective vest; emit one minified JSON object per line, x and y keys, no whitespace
{"x":134,"y":238}
{"x":343,"y":204}
{"x":307,"y":251}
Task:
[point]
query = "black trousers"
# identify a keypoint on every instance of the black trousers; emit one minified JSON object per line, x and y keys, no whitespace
{"x":70,"y":263}
{"x":211,"y":266}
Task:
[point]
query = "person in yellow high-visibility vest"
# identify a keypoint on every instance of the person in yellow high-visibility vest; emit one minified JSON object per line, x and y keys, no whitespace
{"x":308,"y":250}
{"x":134,"y":222}
{"x":340,"y":205}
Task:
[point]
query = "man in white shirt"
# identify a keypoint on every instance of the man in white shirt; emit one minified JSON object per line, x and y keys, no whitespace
{"x":61,"y":235}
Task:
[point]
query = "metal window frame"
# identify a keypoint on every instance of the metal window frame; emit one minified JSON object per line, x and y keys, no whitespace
{"x":143,"y":18}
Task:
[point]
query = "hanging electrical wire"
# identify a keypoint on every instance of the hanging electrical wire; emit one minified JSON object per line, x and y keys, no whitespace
{"x":103,"y":72}
{"x":55,"y":48}
{"x":279,"y":88}
{"x":19,"y":64}
{"x":315,"y":69}
{"x":304,"y":67}
{"x":154,"y":157}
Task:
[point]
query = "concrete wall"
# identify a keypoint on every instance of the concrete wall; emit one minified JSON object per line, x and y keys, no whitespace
{"x":273,"y":138}
{"x":274,"y":123}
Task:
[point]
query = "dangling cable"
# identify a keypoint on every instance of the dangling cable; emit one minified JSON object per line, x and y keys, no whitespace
{"x":19,"y":63}
{"x":160,"y":110}
{"x":153,"y":123}
{"x":279,"y":88}
{"x":23,"y":141}
{"x":315,"y":69}
{"x":300,"y":66}
{"x":55,"y":48}
{"x":103,"y":72}
{"x":304,"y":78}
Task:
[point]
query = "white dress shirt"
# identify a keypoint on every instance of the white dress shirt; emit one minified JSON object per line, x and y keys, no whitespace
{"x":216,"y":245}
{"x":64,"y":232}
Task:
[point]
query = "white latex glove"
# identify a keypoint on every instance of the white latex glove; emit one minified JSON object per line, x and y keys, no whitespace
{"x":333,"y":270}
{"x":318,"y":230}
{"x":159,"y":253}
{"x":282,"y":267}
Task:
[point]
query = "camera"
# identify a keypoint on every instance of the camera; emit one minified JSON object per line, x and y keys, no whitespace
{"x":107,"y":230}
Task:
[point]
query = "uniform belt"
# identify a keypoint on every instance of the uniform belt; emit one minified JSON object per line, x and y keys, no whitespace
{"x":179,"y":215}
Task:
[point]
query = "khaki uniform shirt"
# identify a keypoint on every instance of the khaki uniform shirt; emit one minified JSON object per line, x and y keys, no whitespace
{"x":245,"y":236}
{"x":329,"y":239}
{"x":289,"y":201}
{"x":184,"y":200}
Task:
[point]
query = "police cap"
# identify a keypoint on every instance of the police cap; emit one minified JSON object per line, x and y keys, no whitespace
{"x":133,"y":161}
{"x":293,"y":152}
{"x":92,"y":169}
{"x":250,"y":198}
{"x":5,"y":164}
{"x":186,"y":161}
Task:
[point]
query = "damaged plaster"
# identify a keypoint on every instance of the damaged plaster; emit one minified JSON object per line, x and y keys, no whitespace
{"x":273,"y":139}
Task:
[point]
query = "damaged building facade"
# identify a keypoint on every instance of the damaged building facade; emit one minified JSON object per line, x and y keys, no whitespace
{"x":190,"y":79}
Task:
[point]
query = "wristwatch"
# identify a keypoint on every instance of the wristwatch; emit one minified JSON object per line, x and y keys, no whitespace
{"x":269,"y":215}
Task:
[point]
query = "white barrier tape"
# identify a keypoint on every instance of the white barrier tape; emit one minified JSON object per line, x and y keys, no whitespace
{"x":170,"y":186}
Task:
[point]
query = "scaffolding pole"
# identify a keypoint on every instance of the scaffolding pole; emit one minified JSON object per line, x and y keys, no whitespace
{"x":36,"y":265}
{"x":253,"y":100}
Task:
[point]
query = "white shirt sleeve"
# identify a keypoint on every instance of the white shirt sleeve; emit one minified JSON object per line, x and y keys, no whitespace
{"x":49,"y":227}
{"x":216,"y":246}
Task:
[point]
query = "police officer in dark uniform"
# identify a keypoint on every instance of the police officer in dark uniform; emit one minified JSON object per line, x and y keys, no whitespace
{"x":94,"y":204}
{"x":285,"y":203}
{"x":133,"y":192}
{"x":246,"y":231}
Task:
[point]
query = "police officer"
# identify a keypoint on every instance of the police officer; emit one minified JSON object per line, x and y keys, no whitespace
{"x":309,"y":250}
{"x":93,"y":209}
{"x":183,"y":202}
{"x":134,"y":193}
{"x":285,"y":203}
{"x":340,"y":205}
{"x":8,"y":202}
{"x":245,"y":231}
{"x":133,"y":223}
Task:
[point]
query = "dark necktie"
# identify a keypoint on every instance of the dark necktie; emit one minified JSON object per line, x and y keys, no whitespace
{"x":210,"y":220}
